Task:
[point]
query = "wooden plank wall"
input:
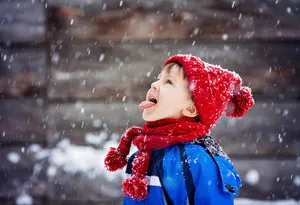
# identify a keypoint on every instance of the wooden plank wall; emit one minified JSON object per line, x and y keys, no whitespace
{"x":23,"y":82}
{"x":97,"y":60}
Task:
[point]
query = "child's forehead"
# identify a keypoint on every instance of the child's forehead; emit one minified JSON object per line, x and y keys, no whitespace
{"x":172,"y":70}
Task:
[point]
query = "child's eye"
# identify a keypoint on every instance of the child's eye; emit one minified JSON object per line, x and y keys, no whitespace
{"x":169,"y":82}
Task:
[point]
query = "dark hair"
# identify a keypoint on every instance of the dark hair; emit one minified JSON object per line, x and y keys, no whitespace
{"x":169,"y":67}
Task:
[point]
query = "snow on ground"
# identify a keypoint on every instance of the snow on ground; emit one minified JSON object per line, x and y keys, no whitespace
{"x":76,"y":159}
{"x":244,"y":201}
{"x":24,"y":199}
{"x":73,"y":159}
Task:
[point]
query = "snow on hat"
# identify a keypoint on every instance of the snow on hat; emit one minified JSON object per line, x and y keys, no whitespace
{"x":214,"y":89}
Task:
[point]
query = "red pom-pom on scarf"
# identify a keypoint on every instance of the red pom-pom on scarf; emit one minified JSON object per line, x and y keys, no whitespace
{"x":114,"y":160}
{"x":135,"y":187}
{"x":240,"y":103}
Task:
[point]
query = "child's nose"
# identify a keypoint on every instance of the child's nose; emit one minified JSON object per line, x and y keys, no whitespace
{"x":155,"y":86}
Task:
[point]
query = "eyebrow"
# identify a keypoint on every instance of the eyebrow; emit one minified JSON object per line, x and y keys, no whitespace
{"x":169,"y":75}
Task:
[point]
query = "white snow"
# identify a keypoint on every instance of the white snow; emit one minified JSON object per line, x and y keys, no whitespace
{"x":192,"y":86}
{"x":252,"y":177}
{"x":196,"y":31}
{"x":37,"y":168}
{"x":232,"y":5}
{"x":24,"y":199}
{"x":55,"y":58}
{"x":96,"y":123}
{"x":95,"y":139}
{"x":245,"y":201}
{"x":51,"y":171}
{"x":104,"y":6}
{"x":226,"y":48}
{"x":225,"y":36}
{"x":73,"y":159}
{"x":13,"y":157}
{"x":78,"y":105}
{"x":101,"y":57}
{"x":296,"y":180}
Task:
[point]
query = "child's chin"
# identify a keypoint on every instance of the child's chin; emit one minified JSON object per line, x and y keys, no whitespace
{"x":149,"y":117}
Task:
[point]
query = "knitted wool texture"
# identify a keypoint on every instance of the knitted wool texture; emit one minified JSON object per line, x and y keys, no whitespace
{"x":213,"y":89}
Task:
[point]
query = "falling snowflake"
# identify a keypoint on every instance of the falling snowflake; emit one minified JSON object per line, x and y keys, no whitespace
{"x":252,"y":177}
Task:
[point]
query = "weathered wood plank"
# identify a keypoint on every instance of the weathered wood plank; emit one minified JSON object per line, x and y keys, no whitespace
{"x":124,"y":72}
{"x":268,"y":129}
{"x":22,"y":121}
{"x":22,"y":21}
{"x":13,"y":182}
{"x":269,"y":178}
{"x":13,"y":201}
{"x":83,"y":202}
{"x":84,"y":137}
{"x":23,"y":72}
{"x":19,"y":173}
{"x":210,"y":20}
{"x":75,"y":121}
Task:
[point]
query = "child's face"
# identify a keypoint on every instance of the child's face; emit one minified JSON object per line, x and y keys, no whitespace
{"x":171,"y":90}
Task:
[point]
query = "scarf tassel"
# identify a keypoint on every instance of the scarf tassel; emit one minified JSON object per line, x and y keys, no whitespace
{"x":114,"y":160}
{"x":117,"y":157}
{"x":135,"y":187}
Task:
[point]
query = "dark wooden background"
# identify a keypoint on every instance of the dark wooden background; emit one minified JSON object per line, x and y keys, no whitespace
{"x":102,"y":56}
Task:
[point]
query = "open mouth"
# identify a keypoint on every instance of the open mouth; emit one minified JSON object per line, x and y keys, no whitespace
{"x":150,"y":102}
{"x":152,"y":99}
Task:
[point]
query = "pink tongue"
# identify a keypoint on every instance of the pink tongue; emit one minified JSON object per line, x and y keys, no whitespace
{"x":146,"y":104}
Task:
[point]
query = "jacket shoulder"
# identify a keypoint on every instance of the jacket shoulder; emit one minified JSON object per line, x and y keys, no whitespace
{"x":229,"y":177}
{"x":231,"y":180}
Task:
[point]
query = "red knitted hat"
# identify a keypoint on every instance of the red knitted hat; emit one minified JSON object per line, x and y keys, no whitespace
{"x":214,"y":89}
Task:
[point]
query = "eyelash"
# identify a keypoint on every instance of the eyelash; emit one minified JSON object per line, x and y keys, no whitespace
{"x":168,"y":81}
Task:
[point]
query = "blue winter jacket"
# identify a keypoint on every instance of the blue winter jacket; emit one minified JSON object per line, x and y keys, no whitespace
{"x":197,"y":173}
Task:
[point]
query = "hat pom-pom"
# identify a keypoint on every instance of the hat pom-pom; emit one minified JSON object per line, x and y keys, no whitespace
{"x":135,"y":187}
{"x":114,"y":160}
{"x":240,"y":103}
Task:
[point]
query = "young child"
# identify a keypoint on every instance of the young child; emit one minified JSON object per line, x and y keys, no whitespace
{"x":178,"y":162}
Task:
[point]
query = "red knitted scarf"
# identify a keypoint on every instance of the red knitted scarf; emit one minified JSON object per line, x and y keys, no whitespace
{"x":152,"y":135}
